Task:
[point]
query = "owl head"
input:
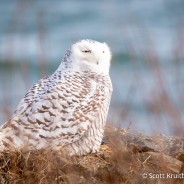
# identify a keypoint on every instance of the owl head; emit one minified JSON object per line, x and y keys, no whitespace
{"x":89,"y":55}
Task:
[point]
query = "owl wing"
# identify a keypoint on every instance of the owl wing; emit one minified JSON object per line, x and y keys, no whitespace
{"x":32,"y":95}
{"x":64,"y":111}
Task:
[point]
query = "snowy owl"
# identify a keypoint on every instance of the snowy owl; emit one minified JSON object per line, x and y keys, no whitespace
{"x":68,"y":109}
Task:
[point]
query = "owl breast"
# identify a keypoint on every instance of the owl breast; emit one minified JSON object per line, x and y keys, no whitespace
{"x":90,"y":142}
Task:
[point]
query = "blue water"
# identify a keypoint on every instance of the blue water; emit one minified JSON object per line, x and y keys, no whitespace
{"x":142,"y":35}
{"x":31,"y":28}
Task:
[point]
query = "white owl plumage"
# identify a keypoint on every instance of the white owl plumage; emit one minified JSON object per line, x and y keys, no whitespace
{"x":68,"y":109}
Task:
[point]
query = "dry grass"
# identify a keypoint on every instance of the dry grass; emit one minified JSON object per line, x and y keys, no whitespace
{"x":124,"y":164}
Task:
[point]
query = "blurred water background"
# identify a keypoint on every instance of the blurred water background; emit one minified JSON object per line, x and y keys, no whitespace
{"x":147,"y":42}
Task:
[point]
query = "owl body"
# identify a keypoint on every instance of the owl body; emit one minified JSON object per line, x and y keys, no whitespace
{"x":66,"y":110}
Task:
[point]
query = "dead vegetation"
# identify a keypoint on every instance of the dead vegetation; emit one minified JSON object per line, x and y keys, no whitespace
{"x":132,"y":158}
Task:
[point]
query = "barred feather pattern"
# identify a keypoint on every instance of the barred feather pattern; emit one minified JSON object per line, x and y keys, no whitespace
{"x":66,"y":111}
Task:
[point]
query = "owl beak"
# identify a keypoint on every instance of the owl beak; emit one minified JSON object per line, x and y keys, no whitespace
{"x":97,"y":62}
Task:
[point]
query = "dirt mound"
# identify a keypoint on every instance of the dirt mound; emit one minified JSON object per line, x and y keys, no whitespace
{"x":125,"y":158}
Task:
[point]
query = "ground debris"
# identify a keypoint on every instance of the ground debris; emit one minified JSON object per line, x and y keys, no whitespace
{"x":129,"y":158}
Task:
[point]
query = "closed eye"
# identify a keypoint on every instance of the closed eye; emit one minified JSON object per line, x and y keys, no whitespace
{"x":86,"y":51}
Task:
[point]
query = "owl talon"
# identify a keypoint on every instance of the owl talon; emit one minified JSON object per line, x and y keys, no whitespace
{"x":105,"y":148}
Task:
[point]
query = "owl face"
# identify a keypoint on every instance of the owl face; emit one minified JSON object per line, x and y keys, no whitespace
{"x":91,"y":55}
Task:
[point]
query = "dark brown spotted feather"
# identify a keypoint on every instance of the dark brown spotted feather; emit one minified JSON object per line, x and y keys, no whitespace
{"x":73,"y":108}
